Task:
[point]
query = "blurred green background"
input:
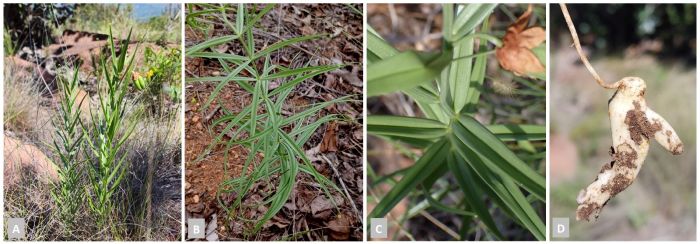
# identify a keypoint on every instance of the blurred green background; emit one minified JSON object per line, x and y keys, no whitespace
{"x":655,"y":42}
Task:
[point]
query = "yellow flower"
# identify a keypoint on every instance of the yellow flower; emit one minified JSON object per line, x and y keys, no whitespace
{"x":149,"y":74}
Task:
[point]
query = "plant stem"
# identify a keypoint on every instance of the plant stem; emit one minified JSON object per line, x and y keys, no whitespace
{"x":474,"y":55}
{"x":584,"y":59}
{"x":483,"y":36}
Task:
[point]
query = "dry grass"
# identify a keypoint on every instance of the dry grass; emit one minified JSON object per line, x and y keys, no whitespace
{"x":155,"y":175}
{"x":23,"y":112}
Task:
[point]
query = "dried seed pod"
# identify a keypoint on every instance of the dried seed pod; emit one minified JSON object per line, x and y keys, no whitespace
{"x":632,"y":124}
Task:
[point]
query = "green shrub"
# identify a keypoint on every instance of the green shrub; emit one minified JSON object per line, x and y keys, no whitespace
{"x":160,"y":77}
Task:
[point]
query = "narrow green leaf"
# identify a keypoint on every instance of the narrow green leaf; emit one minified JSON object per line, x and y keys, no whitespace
{"x":469,"y":18}
{"x":448,"y":16}
{"x":409,"y":127}
{"x":478,"y":138}
{"x":217,"y":79}
{"x":191,"y":15}
{"x":282,"y":44}
{"x":459,"y":74}
{"x":377,"y":46}
{"x":418,"y":143}
{"x":240,"y":18}
{"x":429,"y":181}
{"x":404,"y":71}
{"x":478,"y":74}
{"x":291,"y":72}
{"x":518,"y":132}
{"x":224,"y":56}
{"x":258,"y":16}
{"x":442,"y":207}
{"x":210,"y":43}
{"x":292,"y":83}
{"x":433,"y":158}
{"x":312,"y":110}
{"x":472,"y":194}
{"x":501,"y":189}
{"x":423,"y":94}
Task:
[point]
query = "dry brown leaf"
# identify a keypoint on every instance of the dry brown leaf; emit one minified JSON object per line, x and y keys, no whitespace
{"x":322,"y":207}
{"x":330,"y":139}
{"x":307,"y":30}
{"x":290,"y":206}
{"x":353,"y":77}
{"x":357,"y":134}
{"x":516,"y":55}
{"x":278,"y":221}
{"x":340,"y":228}
{"x":320,"y":204}
{"x":195,"y":208}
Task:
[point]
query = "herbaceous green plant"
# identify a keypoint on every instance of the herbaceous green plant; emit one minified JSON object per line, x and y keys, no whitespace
{"x":446,"y":86}
{"x":261,"y":127}
{"x":109,"y":130}
{"x":159,"y":77}
{"x":67,"y":142}
{"x":10,"y":46}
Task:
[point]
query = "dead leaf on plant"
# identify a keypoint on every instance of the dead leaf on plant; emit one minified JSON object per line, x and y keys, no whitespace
{"x":516,"y":53}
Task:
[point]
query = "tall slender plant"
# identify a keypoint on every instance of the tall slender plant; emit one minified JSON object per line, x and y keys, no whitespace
{"x":66,"y":145}
{"x":109,"y":130}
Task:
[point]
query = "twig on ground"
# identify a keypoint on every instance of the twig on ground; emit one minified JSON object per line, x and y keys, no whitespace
{"x":211,"y":114}
{"x":345,"y":189}
{"x":439,"y":224}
